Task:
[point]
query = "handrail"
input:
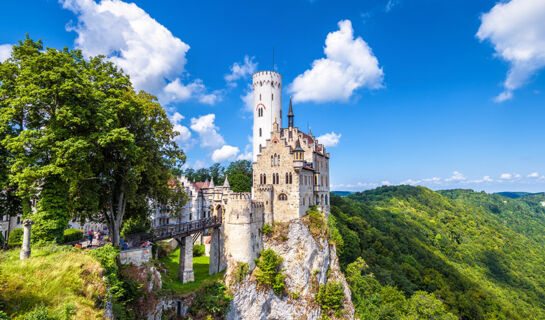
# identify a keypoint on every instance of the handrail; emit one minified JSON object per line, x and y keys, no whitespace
{"x":185,"y":228}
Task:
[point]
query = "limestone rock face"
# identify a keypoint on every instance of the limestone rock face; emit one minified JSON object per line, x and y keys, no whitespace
{"x":305,"y":263}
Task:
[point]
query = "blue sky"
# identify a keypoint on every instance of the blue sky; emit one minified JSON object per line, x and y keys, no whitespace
{"x":446,"y":94}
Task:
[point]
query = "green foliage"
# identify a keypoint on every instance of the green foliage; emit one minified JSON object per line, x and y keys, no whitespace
{"x":241,"y":271}
{"x":15,"y":237}
{"x":269,"y":273}
{"x":423,"y":305}
{"x":3,"y":315}
{"x":477,"y":254}
{"x":213,"y":300}
{"x":330,"y":297}
{"x":135,"y":225}
{"x":240,"y":183}
{"x":266,"y":229}
{"x":200,"y":270}
{"x":334,"y":234}
{"x":316,"y":222}
{"x":72,"y":235}
{"x":58,"y":282}
{"x":198,"y":250}
{"x":51,"y":217}
{"x":77,"y":129}
{"x":217,"y":172}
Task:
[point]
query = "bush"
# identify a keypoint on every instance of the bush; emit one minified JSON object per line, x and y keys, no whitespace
{"x":330,"y":297}
{"x":241,"y":271}
{"x":135,"y":226}
{"x":267,"y":229}
{"x":269,"y":273}
{"x":72,"y":235}
{"x":316,"y":223}
{"x":213,"y":299}
{"x":15,"y":237}
{"x":198,"y":250}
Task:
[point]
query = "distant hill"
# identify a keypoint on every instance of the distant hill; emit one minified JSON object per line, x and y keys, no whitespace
{"x":516,"y":195}
{"x":481,"y":254}
{"x":342,"y":193}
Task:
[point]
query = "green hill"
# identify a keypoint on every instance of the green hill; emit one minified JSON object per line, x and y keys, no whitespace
{"x":482,"y":255}
{"x":516,"y":195}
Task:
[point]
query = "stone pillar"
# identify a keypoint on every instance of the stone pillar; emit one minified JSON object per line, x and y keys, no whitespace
{"x":25,"y":249}
{"x":215,"y":251}
{"x":185,"y":270}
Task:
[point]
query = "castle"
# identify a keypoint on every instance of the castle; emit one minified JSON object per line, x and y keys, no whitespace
{"x":290,"y":174}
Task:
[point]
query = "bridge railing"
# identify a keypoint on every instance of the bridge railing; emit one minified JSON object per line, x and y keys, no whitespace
{"x":186,"y":228}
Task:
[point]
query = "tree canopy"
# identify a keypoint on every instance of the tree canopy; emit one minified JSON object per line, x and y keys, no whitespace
{"x":82,"y":141}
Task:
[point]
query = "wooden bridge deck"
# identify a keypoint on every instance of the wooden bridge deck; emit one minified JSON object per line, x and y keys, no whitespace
{"x":185,"y":229}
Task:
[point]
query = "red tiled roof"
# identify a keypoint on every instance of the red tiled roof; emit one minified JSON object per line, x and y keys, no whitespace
{"x":201,"y":185}
{"x":306,"y":136}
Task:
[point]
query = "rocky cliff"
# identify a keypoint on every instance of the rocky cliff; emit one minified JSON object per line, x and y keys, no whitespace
{"x":308,"y":261}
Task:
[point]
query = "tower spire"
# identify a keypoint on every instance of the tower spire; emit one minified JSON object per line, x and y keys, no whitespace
{"x":290,"y":116}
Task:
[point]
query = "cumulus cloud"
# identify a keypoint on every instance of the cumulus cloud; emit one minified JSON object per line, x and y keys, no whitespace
{"x":506,"y":176}
{"x":390,"y":5}
{"x":225,"y":153}
{"x":5,"y":51}
{"x":176,"y":91}
{"x":516,"y":29}
{"x":330,"y":139}
{"x":137,"y":43}
{"x":533,"y":175}
{"x":248,"y":99}
{"x":184,"y":135}
{"x":207,"y":130}
{"x":456,"y":176}
{"x":239,"y":71}
{"x":349,"y":65}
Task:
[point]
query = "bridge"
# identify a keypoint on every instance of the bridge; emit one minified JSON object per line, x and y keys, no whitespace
{"x":185,"y":229}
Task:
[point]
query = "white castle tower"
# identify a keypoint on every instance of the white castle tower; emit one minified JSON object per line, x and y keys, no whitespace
{"x":267,"y":86}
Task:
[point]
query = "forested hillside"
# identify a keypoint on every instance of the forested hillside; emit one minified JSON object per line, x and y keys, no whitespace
{"x":482,"y":255}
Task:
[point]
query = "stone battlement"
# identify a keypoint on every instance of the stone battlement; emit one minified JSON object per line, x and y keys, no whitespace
{"x":261,"y":78}
{"x":257,"y":204}
{"x":240,"y":196}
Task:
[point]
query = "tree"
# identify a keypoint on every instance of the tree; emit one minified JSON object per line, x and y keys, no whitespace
{"x":79,"y":133}
{"x":240,"y":183}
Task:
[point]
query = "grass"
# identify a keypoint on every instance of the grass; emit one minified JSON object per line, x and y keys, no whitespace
{"x":58,"y":277}
{"x":200,"y":269}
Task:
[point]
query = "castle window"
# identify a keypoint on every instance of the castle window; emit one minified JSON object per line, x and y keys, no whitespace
{"x":260,"y":132}
{"x":282,"y":197}
{"x":264,"y":179}
{"x":290,"y":135}
{"x":272,"y":160}
{"x":260,"y":97}
{"x":287,"y":181}
{"x":303,"y":200}
{"x":291,"y":178}
{"x":272,"y":96}
{"x":326,"y":200}
{"x":260,"y":148}
{"x":278,"y":161}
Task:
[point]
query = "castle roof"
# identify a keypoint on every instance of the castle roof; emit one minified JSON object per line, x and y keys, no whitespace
{"x":298,"y":146}
{"x":201,"y":185}
{"x":290,"y":112}
{"x":226,"y":183}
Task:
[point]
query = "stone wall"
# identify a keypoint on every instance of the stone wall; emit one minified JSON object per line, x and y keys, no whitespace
{"x":137,"y":257}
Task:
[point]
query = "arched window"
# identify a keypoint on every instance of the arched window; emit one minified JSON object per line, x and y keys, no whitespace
{"x":272,"y":160}
{"x":326,"y":200}
{"x":277,"y":178}
{"x":278,"y":162}
{"x":291,"y":178}
{"x":282,"y":197}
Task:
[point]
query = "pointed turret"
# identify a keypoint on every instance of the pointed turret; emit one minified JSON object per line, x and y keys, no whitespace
{"x":290,"y":116}
{"x":226,"y":183}
{"x":211,"y":185}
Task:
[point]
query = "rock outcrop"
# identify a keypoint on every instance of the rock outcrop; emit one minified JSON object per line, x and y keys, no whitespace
{"x":307,"y":264}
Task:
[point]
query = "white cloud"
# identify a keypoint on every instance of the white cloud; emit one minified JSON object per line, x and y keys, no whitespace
{"x":533,"y":175}
{"x":239,"y":71}
{"x":176,"y":91}
{"x":385,"y":183}
{"x":207,"y":130}
{"x":390,"y":5}
{"x":456,"y":176}
{"x":487,"y":179}
{"x":247,"y":155}
{"x":5,"y":51}
{"x":330,"y":139}
{"x":184,"y":135}
{"x":349,"y":65}
{"x":248,"y":99}
{"x":506,"y":176}
{"x":225,"y":153}
{"x":137,"y":43}
{"x":517,"y":31}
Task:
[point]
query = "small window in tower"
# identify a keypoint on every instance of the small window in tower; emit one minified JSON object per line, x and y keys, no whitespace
{"x":260,"y":97}
{"x":282,"y":197}
{"x":260,"y":132}
{"x":291,"y":178}
{"x":272,"y":96}
{"x":287,"y":178}
{"x":290,"y":135}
